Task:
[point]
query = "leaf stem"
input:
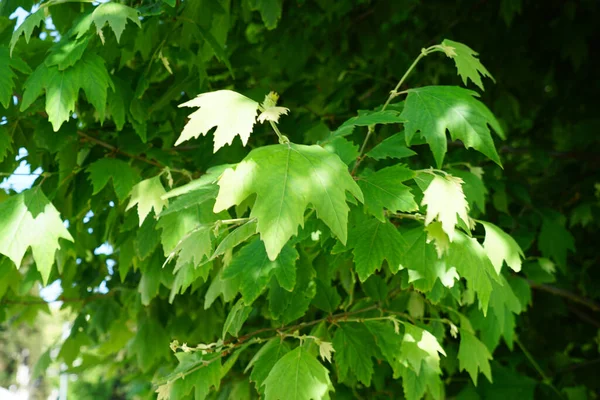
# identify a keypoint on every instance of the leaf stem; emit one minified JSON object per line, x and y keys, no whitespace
{"x":282,"y":138}
{"x":394,"y":93}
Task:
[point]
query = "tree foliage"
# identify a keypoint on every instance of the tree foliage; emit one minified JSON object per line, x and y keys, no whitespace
{"x":364,"y":241}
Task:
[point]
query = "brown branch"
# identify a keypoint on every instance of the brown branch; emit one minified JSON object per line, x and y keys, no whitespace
{"x":115,"y":149}
{"x":566,"y":294}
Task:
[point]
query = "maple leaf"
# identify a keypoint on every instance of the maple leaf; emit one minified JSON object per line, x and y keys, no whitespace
{"x":473,"y":356}
{"x":263,"y":361}
{"x":355,"y":347}
{"x":431,"y":110}
{"x":270,"y":111}
{"x":392,"y":147}
{"x":373,"y":242}
{"x":286,"y":178}
{"x":26,"y":28}
{"x":445,"y":200}
{"x":122,"y":175}
{"x":232,"y":113}
{"x":420,"y":346}
{"x":436,"y":234}
{"x":384,"y":190}
{"x":297,"y":375}
{"x":62,"y":88}
{"x":30,"y":220}
{"x":7,"y":75}
{"x":116,"y":15}
{"x":325,"y":351}
{"x":501,"y":247}
{"x":147,"y":196}
{"x":254,"y":269}
{"x":467,"y":64}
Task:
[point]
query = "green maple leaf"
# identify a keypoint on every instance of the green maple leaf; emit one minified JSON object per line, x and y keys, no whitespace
{"x":298,"y":375}
{"x":286,"y":305}
{"x":467,"y":64}
{"x":384,"y":190}
{"x":67,"y":52}
{"x":122,"y":175}
{"x":354,"y":346}
{"x":263,"y":361}
{"x":373,"y":242}
{"x":7,"y":75}
{"x":116,"y":15}
{"x":472,"y":263}
{"x":178,"y":226}
{"x":416,"y":383}
{"x":235,"y":319}
{"x":419,"y":346}
{"x":30,"y":220}
{"x":203,"y":371}
{"x":388,"y":340}
{"x":445,"y":200}
{"x":235,"y":237}
{"x":346,"y":150}
{"x":501,"y":247}
{"x":286,"y":178}
{"x":423,"y":262}
{"x":232,"y":113}
{"x":473,"y":356}
{"x":392,"y":147}
{"x":62,"y":88}
{"x":431,"y":110}
{"x":26,"y":28}
{"x":367,"y":118}
{"x":147,"y":196}
{"x":253,"y":268}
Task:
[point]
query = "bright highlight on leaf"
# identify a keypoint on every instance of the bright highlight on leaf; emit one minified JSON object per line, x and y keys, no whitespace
{"x":30,"y":220}
{"x":26,"y":28}
{"x":62,"y":88}
{"x":286,"y":179}
{"x":501,"y":247}
{"x":116,"y":15}
{"x":445,"y":201}
{"x":467,"y":64}
{"x":431,"y":110}
{"x":147,"y":196}
{"x":232,"y":113}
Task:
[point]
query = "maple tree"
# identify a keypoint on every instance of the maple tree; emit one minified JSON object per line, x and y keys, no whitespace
{"x":252,"y":249}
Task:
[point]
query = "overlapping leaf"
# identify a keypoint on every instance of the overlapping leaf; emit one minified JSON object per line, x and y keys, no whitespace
{"x":297,"y":375}
{"x":431,"y":110}
{"x":467,"y":63}
{"x":286,"y":178}
{"x":30,"y":220}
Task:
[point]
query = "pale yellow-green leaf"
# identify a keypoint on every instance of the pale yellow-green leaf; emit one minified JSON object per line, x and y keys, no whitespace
{"x":325,"y":351}
{"x":501,"y":247}
{"x":30,"y":220}
{"x":436,"y":234}
{"x":445,"y":200}
{"x":272,"y":114}
{"x":232,"y":113}
{"x":147,"y":196}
